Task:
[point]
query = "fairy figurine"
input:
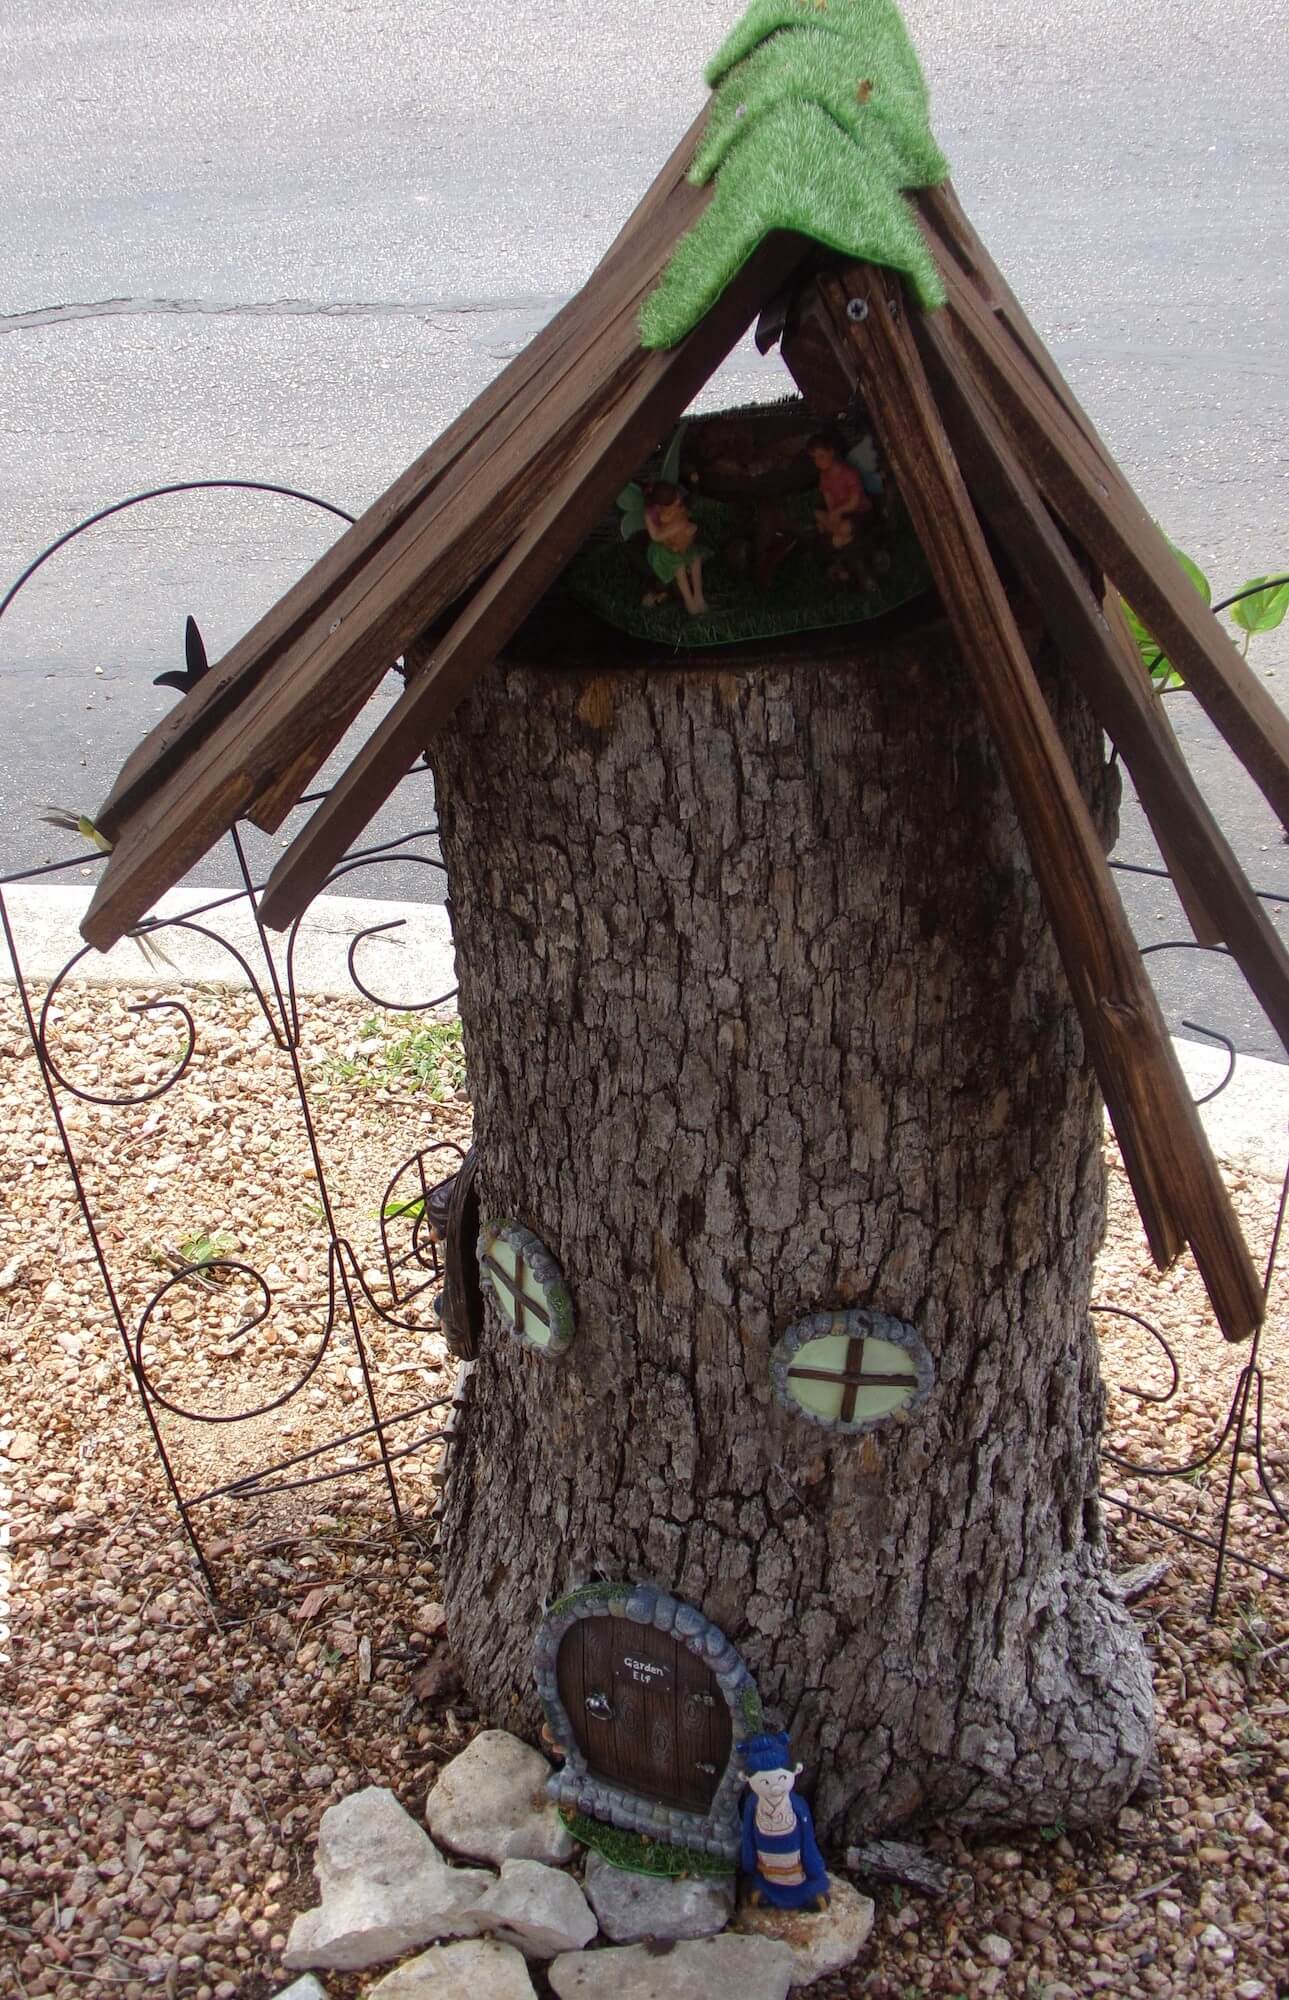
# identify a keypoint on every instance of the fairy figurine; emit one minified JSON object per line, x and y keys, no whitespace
{"x":675,"y":552}
{"x":844,"y":501}
{"x":780,"y":1856}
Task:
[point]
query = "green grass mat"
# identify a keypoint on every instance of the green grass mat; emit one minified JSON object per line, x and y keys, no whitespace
{"x":639,"y":1855}
{"x":611,"y":577}
{"x":818,"y":125}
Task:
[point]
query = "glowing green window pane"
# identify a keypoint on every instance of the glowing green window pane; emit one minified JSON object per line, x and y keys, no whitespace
{"x":829,"y":1357}
{"x":527,"y":1285}
{"x":852,"y":1369}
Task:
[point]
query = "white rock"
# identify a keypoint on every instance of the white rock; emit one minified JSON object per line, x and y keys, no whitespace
{"x":481,"y":1969}
{"x":996,"y":1949}
{"x":821,"y":1941}
{"x":304,"y":1989}
{"x":631,"y":1907}
{"x":1250,"y":1989}
{"x":720,"y":1968}
{"x":22,"y":1447}
{"x":1212,"y":1937}
{"x":385,"y":1889}
{"x":491,"y":1803}
{"x":539,"y":1909}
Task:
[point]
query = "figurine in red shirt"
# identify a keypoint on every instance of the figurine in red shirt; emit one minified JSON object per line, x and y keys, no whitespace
{"x":842,"y":491}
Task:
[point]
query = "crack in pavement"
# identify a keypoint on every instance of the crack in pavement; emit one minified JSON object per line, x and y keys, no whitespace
{"x":61,"y":315}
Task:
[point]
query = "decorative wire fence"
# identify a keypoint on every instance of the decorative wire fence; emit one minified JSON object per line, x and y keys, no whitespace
{"x":221,"y":1301}
{"x":402,"y":1295}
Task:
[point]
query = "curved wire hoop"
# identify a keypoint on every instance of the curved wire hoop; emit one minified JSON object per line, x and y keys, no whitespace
{"x":350,"y":1297}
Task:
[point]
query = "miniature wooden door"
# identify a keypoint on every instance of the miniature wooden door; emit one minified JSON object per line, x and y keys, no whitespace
{"x":648,"y":1715}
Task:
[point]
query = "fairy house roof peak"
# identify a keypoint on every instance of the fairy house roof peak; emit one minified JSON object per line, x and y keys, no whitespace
{"x":810,"y":194}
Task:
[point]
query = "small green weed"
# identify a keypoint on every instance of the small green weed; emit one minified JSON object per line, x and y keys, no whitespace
{"x":399,"y":1211}
{"x":206,"y":1249}
{"x":428,"y":1057}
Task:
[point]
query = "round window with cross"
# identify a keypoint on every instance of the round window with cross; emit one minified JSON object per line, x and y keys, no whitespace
{"x":852,"y":1370}
{"x":528,"y":1286}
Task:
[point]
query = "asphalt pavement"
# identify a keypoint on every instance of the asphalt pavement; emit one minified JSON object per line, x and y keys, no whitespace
{"x":289,"y":243}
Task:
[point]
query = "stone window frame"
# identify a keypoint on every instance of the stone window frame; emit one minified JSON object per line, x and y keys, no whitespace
{"x":535,"y":1257}
{"x":861,"y":1323}
{"x":718,"y":1830}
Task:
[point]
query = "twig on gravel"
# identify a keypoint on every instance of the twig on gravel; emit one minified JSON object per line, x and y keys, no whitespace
{"x":1138,"y":1896}
{"x":121,"y":1527}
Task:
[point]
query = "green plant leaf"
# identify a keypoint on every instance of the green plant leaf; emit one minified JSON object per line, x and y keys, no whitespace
{"x":631,"y":501}
{"x":203,"y":1248}
{"x":670,"y":468}
{"x":1156,"y":662}
{"x":393,"y":1211}
{"x":1194,"y":572}
{"x":1266,"y":608}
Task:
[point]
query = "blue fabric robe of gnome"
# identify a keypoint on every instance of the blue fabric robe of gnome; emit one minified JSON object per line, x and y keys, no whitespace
{"x":785,"y":1868}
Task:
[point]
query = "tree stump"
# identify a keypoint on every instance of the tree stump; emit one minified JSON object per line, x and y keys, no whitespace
{"x":763,"y":1017}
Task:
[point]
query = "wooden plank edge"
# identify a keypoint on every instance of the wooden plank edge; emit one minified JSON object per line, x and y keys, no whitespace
{"x":1102,"y":511}
{"x":187,"y":814}
{"x":1103,"y":659}
{"x":951,"y":235}
{"x":235,"y":677}
{"x":1166,"y":1153}
{"x":337,"y":642}
{"x":666,"y":383}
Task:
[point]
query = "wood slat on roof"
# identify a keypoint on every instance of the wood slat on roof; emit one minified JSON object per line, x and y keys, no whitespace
{"x":628,"y":269}
{"x":445,"y":566}
{"x":1109,"y":670}
{"x":1080,"y":481}
{"x":1179,"y":1190}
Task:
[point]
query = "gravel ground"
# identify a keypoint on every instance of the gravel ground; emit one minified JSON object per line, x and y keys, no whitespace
{"x":162,"y":1774}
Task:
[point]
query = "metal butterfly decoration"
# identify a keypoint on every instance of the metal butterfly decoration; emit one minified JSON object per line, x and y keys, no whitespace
{"x":195,"y":665}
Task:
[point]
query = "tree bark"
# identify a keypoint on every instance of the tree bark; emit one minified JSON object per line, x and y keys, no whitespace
{"x":763,"y":1017}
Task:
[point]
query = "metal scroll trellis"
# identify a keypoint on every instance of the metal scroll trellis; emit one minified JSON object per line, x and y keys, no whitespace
{"x":1243,"y":1436}
{"x":401,"y":1296}
{"x":409,"y":1252}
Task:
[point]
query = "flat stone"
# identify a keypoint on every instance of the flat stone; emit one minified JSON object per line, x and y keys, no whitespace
{"x":384,"y":1887}
{"x":304,"y":1989}
{"x":480,"y":1969}
{"x":491,"y":1803}
{"x":720,"y":1968}
{"x":538,"y":1909}
{"x":631,"y":1907}
{"x":996,"y":1948}
{"x":820,"y":1941}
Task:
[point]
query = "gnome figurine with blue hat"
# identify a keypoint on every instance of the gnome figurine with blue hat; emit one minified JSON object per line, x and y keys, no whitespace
{"x":780,"y":1858}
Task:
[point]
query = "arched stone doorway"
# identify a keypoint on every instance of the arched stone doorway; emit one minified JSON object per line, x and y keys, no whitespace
{"x":648,"y":1702}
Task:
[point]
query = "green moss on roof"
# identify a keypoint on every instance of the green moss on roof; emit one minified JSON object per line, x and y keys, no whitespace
{"x":818,"y":125}
{"x":816,"y":68}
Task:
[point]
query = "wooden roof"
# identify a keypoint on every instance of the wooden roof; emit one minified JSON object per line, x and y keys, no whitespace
{"x":981,"y":432}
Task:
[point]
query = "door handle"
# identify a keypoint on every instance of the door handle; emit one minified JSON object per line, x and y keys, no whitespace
{"x":600,"y":1707}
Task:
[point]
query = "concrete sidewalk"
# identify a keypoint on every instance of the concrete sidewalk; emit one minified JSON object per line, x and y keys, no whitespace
{"x":411,"y":961}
